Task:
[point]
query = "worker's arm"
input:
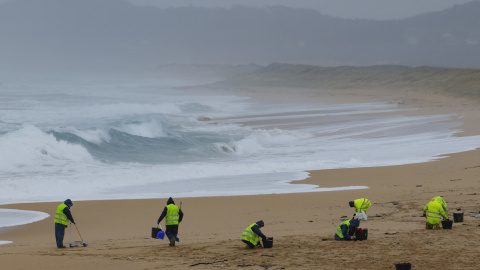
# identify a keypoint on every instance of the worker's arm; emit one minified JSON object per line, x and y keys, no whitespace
{"x":425,"y":211}
{"x":345,"y":233}
{"x":180,"y":216}
{"x":444,"y":215}
{"x":164,"y":213}
{"x":67,"y":213}
{"x":257,"y":230}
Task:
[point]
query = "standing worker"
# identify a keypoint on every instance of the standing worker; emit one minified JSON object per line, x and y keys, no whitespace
{"x":434,"y":212}
{"x":173,"y":216}
{"x":252,"y":234}
{"x":346,"y":230}
{"x":62,"y":216}
{"x":361,"y":206}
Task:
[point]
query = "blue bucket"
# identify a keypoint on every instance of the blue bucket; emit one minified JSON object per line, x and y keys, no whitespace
{"x":161,"y":234}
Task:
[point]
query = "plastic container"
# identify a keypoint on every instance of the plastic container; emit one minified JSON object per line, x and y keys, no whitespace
{"x":161,"y":235}
{"x":458,"y":217}
{"x":403,"y":266}
{"x":447,"y":224}
{"x":155,"y":231}
{"x":268,"y":243}
{"x":361,"y":234}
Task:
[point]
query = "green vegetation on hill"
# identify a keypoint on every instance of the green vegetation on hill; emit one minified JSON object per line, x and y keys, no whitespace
{"x":458,"y":82}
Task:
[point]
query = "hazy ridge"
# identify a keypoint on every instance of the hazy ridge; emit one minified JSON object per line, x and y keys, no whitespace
{"x":110,"y":35}
{"x":457,"y":82}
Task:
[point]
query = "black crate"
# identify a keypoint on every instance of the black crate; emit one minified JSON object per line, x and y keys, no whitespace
{"x":361,"y":234}
{"x":447,"y":224}
{"x":155,"y":232}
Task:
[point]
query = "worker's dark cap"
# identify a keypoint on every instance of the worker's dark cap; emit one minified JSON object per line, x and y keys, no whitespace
{"x":354,"y":222}
{"x":68,"y":202}
{"x":351,"y":203}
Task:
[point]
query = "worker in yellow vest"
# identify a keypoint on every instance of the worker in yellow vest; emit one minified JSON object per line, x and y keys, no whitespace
{"x":252,"y":234}
{"x":361,"y":207}
{"x":434,"y":212}
{"x":62,"y":216}
{"x":346,"y":230}
{"x":173,"y":216}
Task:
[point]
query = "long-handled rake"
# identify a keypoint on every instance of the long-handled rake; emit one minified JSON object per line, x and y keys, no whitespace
{"x":83,"y":242}
{"x":71,"y":245}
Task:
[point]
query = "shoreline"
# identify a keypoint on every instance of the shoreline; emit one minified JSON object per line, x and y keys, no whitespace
{"x":308,"y":218}
{"x":302,"y":224}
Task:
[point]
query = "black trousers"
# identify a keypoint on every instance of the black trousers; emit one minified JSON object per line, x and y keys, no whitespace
{"x":59,"y":234}
{"x":249,"y":244}
{"x":171,"y":231}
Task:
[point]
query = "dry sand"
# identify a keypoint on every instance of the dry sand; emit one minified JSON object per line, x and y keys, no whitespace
{"x":303,"y":225}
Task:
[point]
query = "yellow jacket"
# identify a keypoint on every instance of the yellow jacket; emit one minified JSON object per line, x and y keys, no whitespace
{"x":434,"y":213}
{"x":361,"y":204}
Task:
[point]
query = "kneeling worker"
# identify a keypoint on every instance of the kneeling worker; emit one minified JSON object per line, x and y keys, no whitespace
{"x":252,"y":234}
{"x":434,"y":212}
{"x":346,"y":230}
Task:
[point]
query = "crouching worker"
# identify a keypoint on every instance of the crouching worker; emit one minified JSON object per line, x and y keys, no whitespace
{"x":361,"y":206}
{"x":434,"y":212}
{"x":252,"y":234}
{"x":346,"y":230}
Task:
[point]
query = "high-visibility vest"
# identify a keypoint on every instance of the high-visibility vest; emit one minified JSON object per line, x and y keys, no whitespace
{"x":434,"y":212}
{"x":250,"y":236}
{"x":172,"y":215}
{"x":60,"y":216}
{"x":361,"y":204}
{"x":339,"y":229}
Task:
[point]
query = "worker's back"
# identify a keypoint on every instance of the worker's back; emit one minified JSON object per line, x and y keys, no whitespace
{"x":434,"y":212}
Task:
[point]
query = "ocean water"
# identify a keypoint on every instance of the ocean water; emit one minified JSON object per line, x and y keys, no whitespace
{"x":138,"y":138}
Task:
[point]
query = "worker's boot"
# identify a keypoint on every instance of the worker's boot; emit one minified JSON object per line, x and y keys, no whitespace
{"x":172,"y":242}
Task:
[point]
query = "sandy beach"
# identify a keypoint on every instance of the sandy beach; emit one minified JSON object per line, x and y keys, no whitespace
{"x":303,"y":225}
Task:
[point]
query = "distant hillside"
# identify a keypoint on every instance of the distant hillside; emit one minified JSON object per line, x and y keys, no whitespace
{"x":114,"y":34}
{"x":196,"y":71}
{"x":458,"y":82}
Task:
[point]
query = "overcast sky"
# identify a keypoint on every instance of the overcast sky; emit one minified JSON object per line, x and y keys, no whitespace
{"x":354,"y":9}
{"x":364,"y":9}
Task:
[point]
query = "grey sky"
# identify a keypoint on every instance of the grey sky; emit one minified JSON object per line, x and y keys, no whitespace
{"x":355,"y":9}
{"x":365,"y":9}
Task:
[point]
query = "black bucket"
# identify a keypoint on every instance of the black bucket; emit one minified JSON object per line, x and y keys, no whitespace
{"x":403,"y":266}
{"x":361,"y":234}
{"x":268,"y":243}
{"x":155,"y":232}
{"x":447,"y":224}
{"x":458,"y":217}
